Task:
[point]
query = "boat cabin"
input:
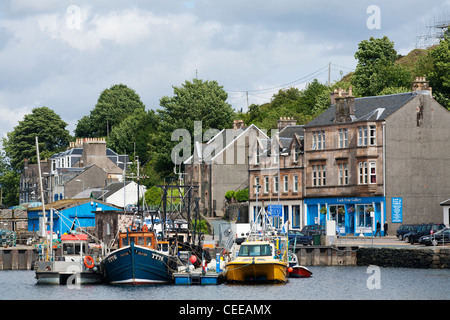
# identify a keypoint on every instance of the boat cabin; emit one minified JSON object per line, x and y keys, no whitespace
{"x":73,"y":246}
{"x":256,"y":249}
{"x":140,"y":238}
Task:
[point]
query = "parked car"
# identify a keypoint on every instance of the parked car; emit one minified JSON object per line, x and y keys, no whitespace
{"x":404,"y":229}
{"x":313,"y":229}
{"x":298,"y":237}
{"x":440,"y":237}
{"x":422,"y":230}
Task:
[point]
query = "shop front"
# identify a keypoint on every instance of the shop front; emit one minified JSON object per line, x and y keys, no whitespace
{"x":353,"y":215}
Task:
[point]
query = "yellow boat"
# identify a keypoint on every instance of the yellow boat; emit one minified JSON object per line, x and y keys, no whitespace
{"x":258,"y":261}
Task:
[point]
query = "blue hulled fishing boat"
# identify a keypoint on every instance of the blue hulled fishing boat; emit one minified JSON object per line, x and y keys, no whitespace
{"x":140,"y":259}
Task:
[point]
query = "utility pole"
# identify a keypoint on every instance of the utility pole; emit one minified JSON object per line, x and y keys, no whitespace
{"x":329,"y":74}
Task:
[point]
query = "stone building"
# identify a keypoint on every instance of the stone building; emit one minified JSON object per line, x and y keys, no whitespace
{"x":276,"y":166}
{"x":381,"y":158}
{"x":220,"y":165}
{"x":87,"y":163}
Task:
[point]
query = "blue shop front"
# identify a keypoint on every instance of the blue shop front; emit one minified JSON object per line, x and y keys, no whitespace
{"x":353,"y":215}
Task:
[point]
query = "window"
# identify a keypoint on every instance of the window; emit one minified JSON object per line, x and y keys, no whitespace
{"x":286,"y":183}
{"x":362,"y":136}
{"x":373,"y":172}
{"x":362,"y":172}
{"x":318,"y":140}
{"x":255,"y":250}
{"x":275,"y":184}
{"x":319,"y":175}
{"x":343,"y":174}
{"x":314,"y":176}
{"x":296,"y":216}
{"x":266,"y":184}
{"x":343,"y":138}
{"x":372,"y":135}
{"x":257,"y":155}
{"x":256,"y":184}
{"x":363,"y":218}
{"x":295,"y":187}
{"x":296,"y":152}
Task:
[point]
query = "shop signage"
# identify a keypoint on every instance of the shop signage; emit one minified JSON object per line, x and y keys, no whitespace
{"x":275,"y":210}
{"x":397,"y":210}
{"x":349,"y":200}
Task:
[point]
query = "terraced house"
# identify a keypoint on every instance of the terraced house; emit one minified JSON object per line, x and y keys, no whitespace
{"x":383,"y":158}
{"x":276,"y":174}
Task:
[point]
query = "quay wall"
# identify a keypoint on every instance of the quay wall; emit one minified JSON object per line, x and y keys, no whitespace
{"x":17,"y":258}
{"x":422,"y":258}
{"x":426,"y":258}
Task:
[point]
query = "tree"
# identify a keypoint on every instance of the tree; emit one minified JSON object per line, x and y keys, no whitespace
{"x":44,"y":123}
{"x":376,"y":68}
{"x":439,"y":75}
{"x":9,"y":183}
{"x":133,"y":134}
{"x":113,"y":105}
{"x":193,"y":101}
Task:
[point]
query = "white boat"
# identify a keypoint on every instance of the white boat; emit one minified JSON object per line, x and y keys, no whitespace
{"x":76,"y":265}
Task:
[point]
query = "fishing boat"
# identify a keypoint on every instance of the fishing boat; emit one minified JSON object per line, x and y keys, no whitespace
{"x":295,"y":270}
{"x":76,"y":265}
{"x":139,"y":259}
{"x":257,"y":261}
{"x":262,"y":258}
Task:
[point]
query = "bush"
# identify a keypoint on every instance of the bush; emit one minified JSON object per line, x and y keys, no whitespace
{"x":242,"y":195}
{"x":230,"y":195}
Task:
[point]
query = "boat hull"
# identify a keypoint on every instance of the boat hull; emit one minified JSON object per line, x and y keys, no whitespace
{"x":137,"y":265}
{"x":300,"y":272}
{"x":65,"y":273}
{"x":249,"y":272}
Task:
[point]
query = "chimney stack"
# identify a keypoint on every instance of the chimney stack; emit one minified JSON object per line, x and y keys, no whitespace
{"x":238,"y":124}
{"x":285,"y":121}
{"x":421,"y":85}
{"x":345,"y":105}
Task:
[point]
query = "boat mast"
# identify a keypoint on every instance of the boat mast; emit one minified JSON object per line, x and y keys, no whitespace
{"x":49,"y":246}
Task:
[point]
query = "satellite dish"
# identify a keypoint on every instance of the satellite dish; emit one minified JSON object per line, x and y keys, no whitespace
{"x":227,"y":232}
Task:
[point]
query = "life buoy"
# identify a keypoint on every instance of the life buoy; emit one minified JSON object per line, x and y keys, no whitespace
{"x":88,"y":262}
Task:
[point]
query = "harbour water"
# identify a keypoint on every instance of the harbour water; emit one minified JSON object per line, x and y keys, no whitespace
{"x":327,"y":283}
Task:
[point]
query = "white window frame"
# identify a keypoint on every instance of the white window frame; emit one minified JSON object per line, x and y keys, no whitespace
{"x":257,"y":184}
{"x":343,"y":174}
{"x":362,"y":173}
{"x":372,"y":174}
{"x":295,"y":187}
{"x":285,"y":184}
{"x":373,"y":135}
{"x":275,"y":184}
{"x":343,"y":138}
{"x":266,"y":184}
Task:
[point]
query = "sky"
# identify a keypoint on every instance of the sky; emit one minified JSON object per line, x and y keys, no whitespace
{"x":63,"y":54}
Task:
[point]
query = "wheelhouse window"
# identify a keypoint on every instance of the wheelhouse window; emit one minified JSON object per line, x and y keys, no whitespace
{"x":255,"y":250}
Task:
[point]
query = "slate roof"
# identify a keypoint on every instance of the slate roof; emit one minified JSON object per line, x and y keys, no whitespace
{"x":367,"y":108}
